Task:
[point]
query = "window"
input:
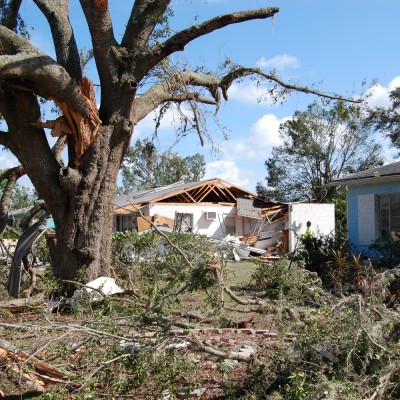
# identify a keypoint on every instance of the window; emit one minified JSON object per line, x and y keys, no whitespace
{"x":389,"y":216}
{"x":183,"y":222}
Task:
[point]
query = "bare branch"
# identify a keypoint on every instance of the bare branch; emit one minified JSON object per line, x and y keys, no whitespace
{"x":176,"y":88}
{"x":178,"y":41}
{"x":103,"y":40}
{"x":164,"y":92}
{"x":57,"y":13}
{"x":242,"y":72}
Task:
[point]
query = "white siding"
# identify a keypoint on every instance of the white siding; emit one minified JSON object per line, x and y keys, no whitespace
{"x":322,"y":217}
{"x":366,"y":219}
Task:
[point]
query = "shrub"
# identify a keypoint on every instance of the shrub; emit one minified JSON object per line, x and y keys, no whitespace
{"x":284,"y":278}
{"x":387,"y":253}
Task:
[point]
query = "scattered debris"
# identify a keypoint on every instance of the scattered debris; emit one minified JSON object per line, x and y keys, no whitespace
{"x":134,"y":347}
{"x":16,"y":306}
{"x":326,"y":353}
{"x":191,"y":394}
{"x":42,"y":372}
{"x":97,"y":290}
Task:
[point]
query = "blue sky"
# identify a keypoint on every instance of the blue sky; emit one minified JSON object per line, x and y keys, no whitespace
{"x":332,"y":43}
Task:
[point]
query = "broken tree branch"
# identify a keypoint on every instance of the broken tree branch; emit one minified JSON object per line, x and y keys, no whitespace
{"x":239,"y":300}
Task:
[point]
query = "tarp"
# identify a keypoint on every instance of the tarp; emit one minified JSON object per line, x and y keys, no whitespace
{"x":24,"y":247}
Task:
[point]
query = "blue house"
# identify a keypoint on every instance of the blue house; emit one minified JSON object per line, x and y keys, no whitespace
{"x":373,"y":205}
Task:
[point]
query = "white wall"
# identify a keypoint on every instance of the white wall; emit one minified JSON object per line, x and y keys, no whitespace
{"x":322,"y":217}
{"x":201,"y":225}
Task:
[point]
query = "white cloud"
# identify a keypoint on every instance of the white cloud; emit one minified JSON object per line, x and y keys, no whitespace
{"x":263,"y":136}
{"x":147,"y":125}
{"x":379,"y":95}
{"x":251,"y":93}
{"x":226,"y":170}
{"x":280,"y":62}
{"x":243,"y":160}
{"x":394,"y":83}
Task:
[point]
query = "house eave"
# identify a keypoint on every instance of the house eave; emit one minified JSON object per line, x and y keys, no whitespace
{"x":366,"y":181}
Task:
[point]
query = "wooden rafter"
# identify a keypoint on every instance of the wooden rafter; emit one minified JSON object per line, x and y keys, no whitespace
{"x":228,"y":190}
{"x":219,"y":192}
{"x":187,"y":193}
{"x":203,"y":192}
{"x":196,"y":192}
{"x":265,"y":212}
{"x":280,"y":219}
{"x":209,"y":189}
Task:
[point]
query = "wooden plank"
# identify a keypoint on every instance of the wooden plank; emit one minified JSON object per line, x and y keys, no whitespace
{"x":159,"y":220}
{"x":209,"y":189}
{"x":233,"y":197}
{"x":143,"y":223}
{"x":37,"y":364}
{"x":21,"y":305}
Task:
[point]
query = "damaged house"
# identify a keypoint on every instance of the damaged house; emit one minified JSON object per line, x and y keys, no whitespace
{"x":217,"y":208}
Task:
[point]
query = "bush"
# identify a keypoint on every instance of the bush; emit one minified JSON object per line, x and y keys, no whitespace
{"x":164,"y":266}
{"x":285,"y":278}
{"x":387,"y":253}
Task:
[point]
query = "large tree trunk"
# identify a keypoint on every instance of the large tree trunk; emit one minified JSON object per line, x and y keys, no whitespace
{"x":84,"y":221}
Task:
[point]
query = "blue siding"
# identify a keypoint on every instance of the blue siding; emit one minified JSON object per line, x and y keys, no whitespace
{"x":352,"y":208}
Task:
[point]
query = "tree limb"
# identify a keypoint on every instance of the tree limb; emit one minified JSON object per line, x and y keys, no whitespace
{"x":10,"y":15}
{"x":11,"y":175}
{"x":104,"y":43}
{"x":178,"y":41}
{"x":144,"y":17}
{"x":27,"y":68}
{"x":219,"y":353}
{"x":58,"y":148}
{"x":240,"y":300}
{"x":57,"y":15}
{"x":242,"y":72}
{"x":177,"y":87}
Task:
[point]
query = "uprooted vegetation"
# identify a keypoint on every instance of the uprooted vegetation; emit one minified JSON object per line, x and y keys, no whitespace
{"x":191,"y":321}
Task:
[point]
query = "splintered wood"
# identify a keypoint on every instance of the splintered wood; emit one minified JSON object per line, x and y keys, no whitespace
{"x":83,"y":129}
{"x":39,"y":372}
{"x":278,"y":213}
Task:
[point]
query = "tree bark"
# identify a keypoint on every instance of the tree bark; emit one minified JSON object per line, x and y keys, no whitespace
{"x":84,"y":228}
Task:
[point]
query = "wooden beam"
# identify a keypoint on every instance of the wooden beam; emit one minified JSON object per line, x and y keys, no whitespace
{"x":209,"y":189}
